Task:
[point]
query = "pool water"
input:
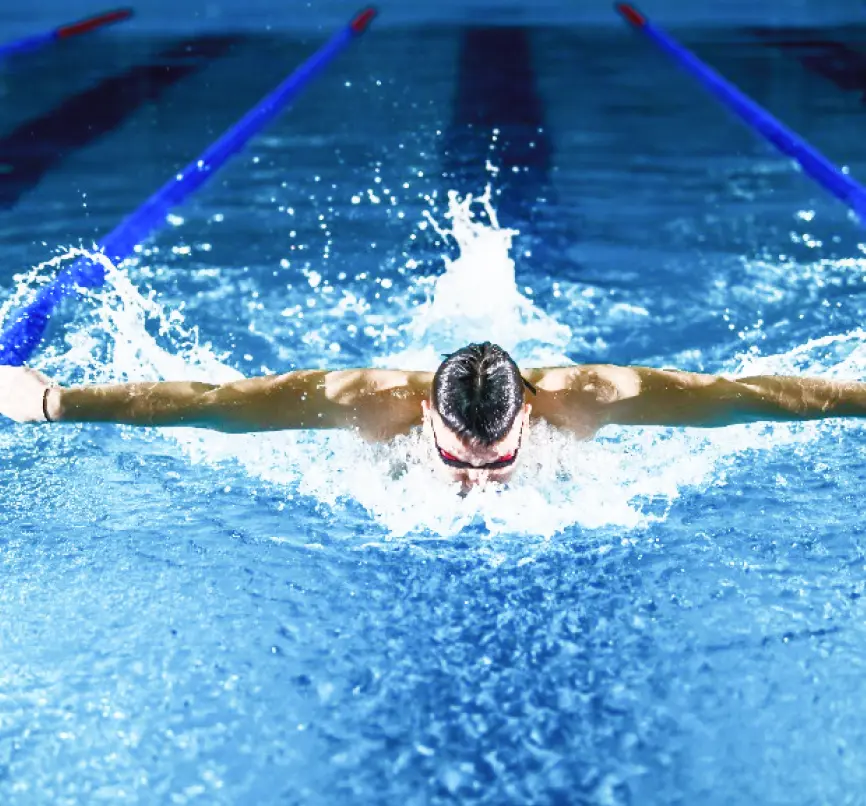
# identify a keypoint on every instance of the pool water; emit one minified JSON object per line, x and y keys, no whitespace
{"x":658,"y":616}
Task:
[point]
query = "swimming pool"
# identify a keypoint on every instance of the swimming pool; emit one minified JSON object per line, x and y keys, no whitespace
{"x":655,"y":617}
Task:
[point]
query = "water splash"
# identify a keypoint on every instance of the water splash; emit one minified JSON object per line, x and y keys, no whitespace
{"x":626,"y":478}
{"x":476,"y":298}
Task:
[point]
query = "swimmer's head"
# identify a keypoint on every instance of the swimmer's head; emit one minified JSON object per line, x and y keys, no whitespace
{"x":477,"y":416}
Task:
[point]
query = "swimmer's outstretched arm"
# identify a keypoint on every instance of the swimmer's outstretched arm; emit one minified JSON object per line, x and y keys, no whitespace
{"x":301,"y":399}
{"x":646,"y":396}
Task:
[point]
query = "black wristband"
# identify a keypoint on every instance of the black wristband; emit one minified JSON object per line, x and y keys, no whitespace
{"x":45,"y":404}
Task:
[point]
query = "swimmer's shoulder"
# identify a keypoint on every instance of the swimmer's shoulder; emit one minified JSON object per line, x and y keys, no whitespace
{"x":364,"y":381}
{"x":386,"y":402}
{"x":399,"y":384}
{"x":575,"y":397}
{"x":603,"y":382}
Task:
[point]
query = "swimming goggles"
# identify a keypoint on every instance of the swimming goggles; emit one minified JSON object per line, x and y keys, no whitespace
{"x":453,"y":461}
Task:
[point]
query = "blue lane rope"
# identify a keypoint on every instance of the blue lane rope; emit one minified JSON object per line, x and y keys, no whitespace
{"x":815,"y":164}
{"x":37,"y":41}
{"x":21,"y":339}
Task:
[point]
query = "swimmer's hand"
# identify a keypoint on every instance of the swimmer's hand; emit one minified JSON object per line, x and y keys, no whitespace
{"x":22,"y":392}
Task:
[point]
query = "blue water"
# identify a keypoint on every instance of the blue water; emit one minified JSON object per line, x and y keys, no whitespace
{"x":655,"y":617}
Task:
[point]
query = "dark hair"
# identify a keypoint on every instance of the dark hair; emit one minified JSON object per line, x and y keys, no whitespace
{"x":478,"y":392}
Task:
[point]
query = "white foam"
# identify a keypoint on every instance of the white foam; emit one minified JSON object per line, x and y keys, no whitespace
{"x":626,"y":478}
{"x":476,"y":298}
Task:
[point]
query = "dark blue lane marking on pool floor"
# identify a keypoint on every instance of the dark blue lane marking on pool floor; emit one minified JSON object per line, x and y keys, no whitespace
{"x":37,"y":146}
{"x":840,"y":63}
{"x":496,"y":89}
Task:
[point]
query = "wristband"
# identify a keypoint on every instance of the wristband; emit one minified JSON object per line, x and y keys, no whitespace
{"x":45,"y":404}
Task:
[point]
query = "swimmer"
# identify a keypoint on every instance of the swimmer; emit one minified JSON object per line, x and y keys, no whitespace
{"x":475,"y":410}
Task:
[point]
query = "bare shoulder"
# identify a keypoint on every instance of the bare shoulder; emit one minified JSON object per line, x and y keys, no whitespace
{"x":575,"y":397}
{"x":385,"y":402}
{"x":370,"y":380}
{"x":602,"y":382}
